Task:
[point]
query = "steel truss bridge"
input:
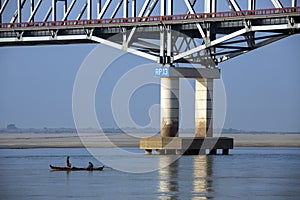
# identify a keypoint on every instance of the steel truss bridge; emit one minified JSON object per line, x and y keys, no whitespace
{"x":169,"y":32}
{"x":165,"y":31}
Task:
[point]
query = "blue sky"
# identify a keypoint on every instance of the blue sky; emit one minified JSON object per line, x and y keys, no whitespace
{"x":262,"y":87}
{"x":36,"y":84}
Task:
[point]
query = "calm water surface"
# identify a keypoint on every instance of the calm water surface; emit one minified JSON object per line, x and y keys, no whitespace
{"x":248,"y":173}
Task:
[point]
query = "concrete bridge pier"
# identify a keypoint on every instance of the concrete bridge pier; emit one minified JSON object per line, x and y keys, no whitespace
{"x":204,"y":107}
{"x":169,"y":107}
{"x":169,"y":141}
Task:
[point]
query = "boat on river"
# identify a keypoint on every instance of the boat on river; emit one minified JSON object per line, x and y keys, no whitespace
{"x":55,"y":168}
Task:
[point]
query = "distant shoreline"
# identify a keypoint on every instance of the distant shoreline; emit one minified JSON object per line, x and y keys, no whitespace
{"x":90,"y":140}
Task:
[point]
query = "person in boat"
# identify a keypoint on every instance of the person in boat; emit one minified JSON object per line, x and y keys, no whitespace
{"x":68,"y":162}
{"x":90,"y":166}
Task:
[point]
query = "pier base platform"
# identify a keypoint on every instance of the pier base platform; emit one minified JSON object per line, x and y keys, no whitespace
{"x":186,"y":146}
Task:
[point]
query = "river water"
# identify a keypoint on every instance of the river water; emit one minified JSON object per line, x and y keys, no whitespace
{"x":247,"y":173}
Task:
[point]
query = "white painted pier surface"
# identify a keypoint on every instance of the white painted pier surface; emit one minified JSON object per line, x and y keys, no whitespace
{"x":204,"y":107}
{"x":169,"y":102}
{"x":169,"y":107}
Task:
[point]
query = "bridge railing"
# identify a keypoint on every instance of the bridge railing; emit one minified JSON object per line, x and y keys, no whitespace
{"x":92,"y":22}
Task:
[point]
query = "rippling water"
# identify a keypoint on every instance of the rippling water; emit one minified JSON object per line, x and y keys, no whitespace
{"x":248,"y":173}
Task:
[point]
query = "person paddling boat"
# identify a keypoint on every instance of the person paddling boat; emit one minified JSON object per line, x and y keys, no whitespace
{"x":68,"y":162}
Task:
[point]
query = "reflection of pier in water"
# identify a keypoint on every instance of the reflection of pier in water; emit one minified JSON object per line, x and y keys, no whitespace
{"x":177,"y":181}
{"x":202,"y":172}
{"x":168,"y":184}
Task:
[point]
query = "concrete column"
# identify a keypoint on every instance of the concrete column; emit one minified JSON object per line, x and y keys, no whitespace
{"x":169,"y":107}
{"x":204,"y":107}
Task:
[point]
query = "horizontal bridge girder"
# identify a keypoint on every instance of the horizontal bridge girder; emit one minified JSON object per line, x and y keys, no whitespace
{"x":218,"y":26}
{"x":174,"y":38}
{"x":147,"y":21}
{"x":112,"y":8}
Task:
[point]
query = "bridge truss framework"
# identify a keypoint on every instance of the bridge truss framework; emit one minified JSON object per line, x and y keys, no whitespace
{"x":149,"y":31}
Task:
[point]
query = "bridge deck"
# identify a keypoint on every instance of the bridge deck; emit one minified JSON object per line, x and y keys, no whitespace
{"x":126,"y":33}
{"x":224,"y":23}
{"x":155,"y":20}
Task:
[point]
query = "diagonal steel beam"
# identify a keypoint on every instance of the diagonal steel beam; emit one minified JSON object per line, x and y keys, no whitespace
{"x":148,"y":44}
{"x":231,"y":47}
{"x":234,"y":5}
{"x":116,"y":9}
{"x":47,"y":14}
{"x":104,"y":9}
{"x":82,"y":11}
{"x":211,"y":44}
{"x":18,"y":11}
{"x":144,"y":8}
{"x":119,"y":46}
{"x":69,"y":10}
{"x":142,"y":12}
{"x":192,"y":4}
{"x":151,"y":8}
{"x":195,"y":44}
{"x":229,"y":52}
{"x":275,"y":27}
{"x":277,"y":3}
{"x":269,"y":41}
{"x":188,"y":42}
{"x":260,"y":44}
{"x":3,"y":6}
{"x":192,"y":11}
{"x":228,"y":37}
{"x":244,"y":40}
{"x":34,"y":10}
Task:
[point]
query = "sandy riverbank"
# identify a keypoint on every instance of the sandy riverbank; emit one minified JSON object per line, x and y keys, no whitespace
{"x":70,"y":140}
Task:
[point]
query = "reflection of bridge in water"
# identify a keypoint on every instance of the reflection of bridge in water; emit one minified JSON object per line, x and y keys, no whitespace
{"x":165,"y":31}
{"x":173,"y":179}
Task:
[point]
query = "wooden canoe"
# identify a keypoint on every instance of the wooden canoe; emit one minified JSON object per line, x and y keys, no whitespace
{"x":55,"y":168}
